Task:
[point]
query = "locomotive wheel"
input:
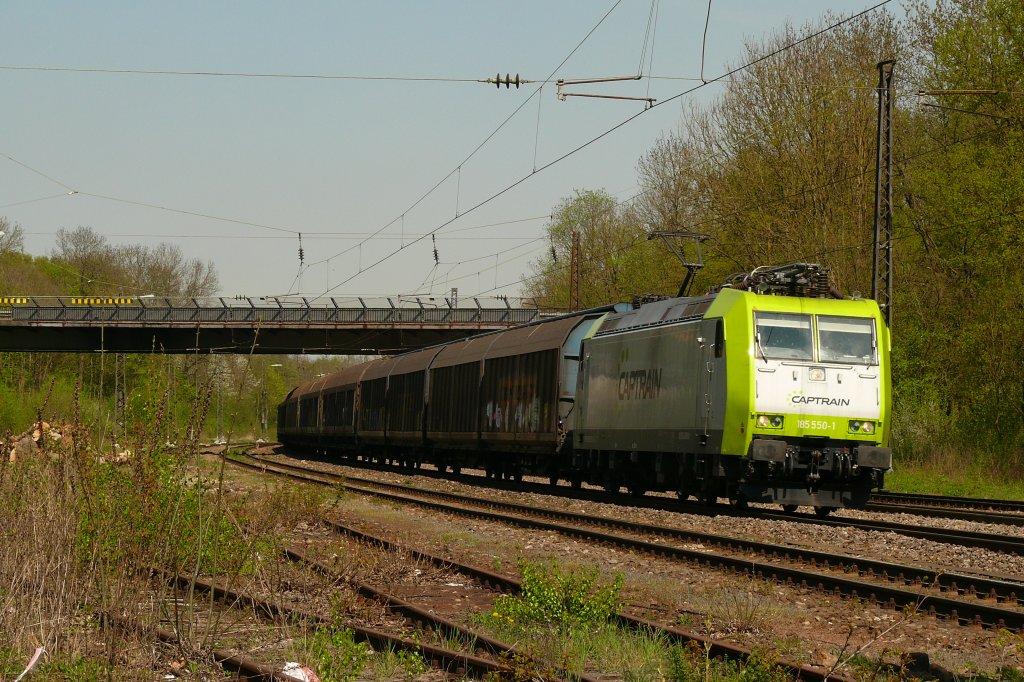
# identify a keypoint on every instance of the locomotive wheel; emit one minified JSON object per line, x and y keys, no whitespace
{"x":553,"y":479}
{"x":738,"y":502}
{"x":789,"y":508}
{"x":822,"y":512}
{"x":637,"y":490}
{"x":456,"y":469}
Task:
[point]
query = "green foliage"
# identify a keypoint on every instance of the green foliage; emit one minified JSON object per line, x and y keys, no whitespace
{"x":944,"y":472}
{"x":74,"y":669}
{"x":691,"y":664}
{"x":336,"y":655}
{"x":562,"y":600}
{"x":616,"y":259}
{"x":151,"y":513}
{"x":780,"y":167}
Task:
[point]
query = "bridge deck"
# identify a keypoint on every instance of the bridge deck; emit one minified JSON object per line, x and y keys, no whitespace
{"x":275,"y":325}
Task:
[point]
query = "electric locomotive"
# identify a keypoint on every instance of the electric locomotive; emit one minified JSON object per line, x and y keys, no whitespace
{"x":769,"y":389}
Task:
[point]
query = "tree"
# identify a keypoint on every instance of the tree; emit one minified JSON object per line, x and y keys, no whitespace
{"x":12,"y":236}
{"x":781,"y":166}
{"x":132,"y":269}
{"x":962,"y":279}
{"x":616,"y":259}
{"x":87,"y":253}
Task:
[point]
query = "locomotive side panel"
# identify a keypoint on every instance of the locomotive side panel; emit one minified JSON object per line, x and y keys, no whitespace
{"x":642,"y":390}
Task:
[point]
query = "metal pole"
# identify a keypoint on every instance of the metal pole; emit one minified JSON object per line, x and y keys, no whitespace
{"x":574,"y":273}
{"x":881,"y":267}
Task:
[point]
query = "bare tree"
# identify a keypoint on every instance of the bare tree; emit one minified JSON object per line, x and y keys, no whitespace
{"x":12,"y":236}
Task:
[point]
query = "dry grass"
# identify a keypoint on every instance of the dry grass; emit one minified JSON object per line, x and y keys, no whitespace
{"x":81,"y":538}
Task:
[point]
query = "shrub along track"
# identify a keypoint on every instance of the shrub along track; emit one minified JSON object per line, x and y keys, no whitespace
{"x":504,"y":583}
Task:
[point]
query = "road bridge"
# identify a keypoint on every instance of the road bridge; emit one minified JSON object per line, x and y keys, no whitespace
{"x":265,"y":325}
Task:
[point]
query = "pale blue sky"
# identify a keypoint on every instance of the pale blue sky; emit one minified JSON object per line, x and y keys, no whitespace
{"x":339,"y":159}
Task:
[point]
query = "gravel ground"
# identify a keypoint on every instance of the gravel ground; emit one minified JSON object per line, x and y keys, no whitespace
{"x":800,"y":623}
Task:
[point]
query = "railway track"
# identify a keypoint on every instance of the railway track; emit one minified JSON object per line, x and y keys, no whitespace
{"x":715,"y":648}
{"x":1009,"y":544}
{"x":932,"y":506}
{"x":947,"y":502}
{"x":243,"y":666}
{"x":978,"y":516}
{"x":877,"y":587}
{"x":458,"y":663}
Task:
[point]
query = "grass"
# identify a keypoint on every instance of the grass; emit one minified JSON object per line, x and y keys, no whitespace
{"x":81,"y":536}
{"x":952,"y":475}
{"x":562,"y":620}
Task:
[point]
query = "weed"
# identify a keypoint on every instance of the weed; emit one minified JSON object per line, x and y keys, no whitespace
{"x":694,"y":664}
{"x":745,"y":609}
{"x":336,"y":655}
{"x":561,"y":600}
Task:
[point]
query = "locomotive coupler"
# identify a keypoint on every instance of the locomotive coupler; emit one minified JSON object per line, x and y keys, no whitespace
{"x":813,"y":476}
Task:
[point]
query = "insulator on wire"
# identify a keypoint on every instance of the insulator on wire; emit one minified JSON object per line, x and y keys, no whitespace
{"x":433,"y":240}
{"x":302,"y":254}
{"x":554,"y":254}
{"x":508,"y":82}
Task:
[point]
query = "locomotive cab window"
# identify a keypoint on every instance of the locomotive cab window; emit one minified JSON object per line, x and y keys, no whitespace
{"x":783,"y":336}
{"x":847,"y":339}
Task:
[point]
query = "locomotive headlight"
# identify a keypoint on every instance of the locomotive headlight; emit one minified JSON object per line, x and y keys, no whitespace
{"x":858,"y":426}
{"x":817,"y":374}
{"x":769,"y":421}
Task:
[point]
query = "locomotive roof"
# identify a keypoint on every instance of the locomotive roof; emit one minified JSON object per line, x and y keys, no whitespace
{"x":657,"y":313}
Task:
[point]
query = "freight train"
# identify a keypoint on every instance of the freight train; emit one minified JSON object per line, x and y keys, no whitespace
{"x":767,"y":389}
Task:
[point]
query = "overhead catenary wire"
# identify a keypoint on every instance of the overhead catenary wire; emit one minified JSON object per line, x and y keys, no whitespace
{"x":617,"y":126}
{"x":486,"y":139}
{"x":37,"y":199}
{"x":239,"y":74}
{"x":206,"y":215}
{"x":654,"y":35}
{"x":651,"y":23}
{"x":442,"y":79}
{"x":704,"y":44}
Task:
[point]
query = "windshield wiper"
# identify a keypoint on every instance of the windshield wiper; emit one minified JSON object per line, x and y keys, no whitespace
{"x":757,"y":345}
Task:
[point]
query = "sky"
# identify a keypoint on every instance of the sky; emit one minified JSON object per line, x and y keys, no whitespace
{"x":232,"y":168}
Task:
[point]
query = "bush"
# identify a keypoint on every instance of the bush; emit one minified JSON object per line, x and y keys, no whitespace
{"x":336,"y":655}
{"x":561,"y":600}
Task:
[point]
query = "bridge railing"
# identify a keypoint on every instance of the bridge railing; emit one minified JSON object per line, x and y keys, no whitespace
{"x":270,"y":310}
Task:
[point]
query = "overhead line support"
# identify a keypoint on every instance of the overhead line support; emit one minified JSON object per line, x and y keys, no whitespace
{"x":881,"y":270}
